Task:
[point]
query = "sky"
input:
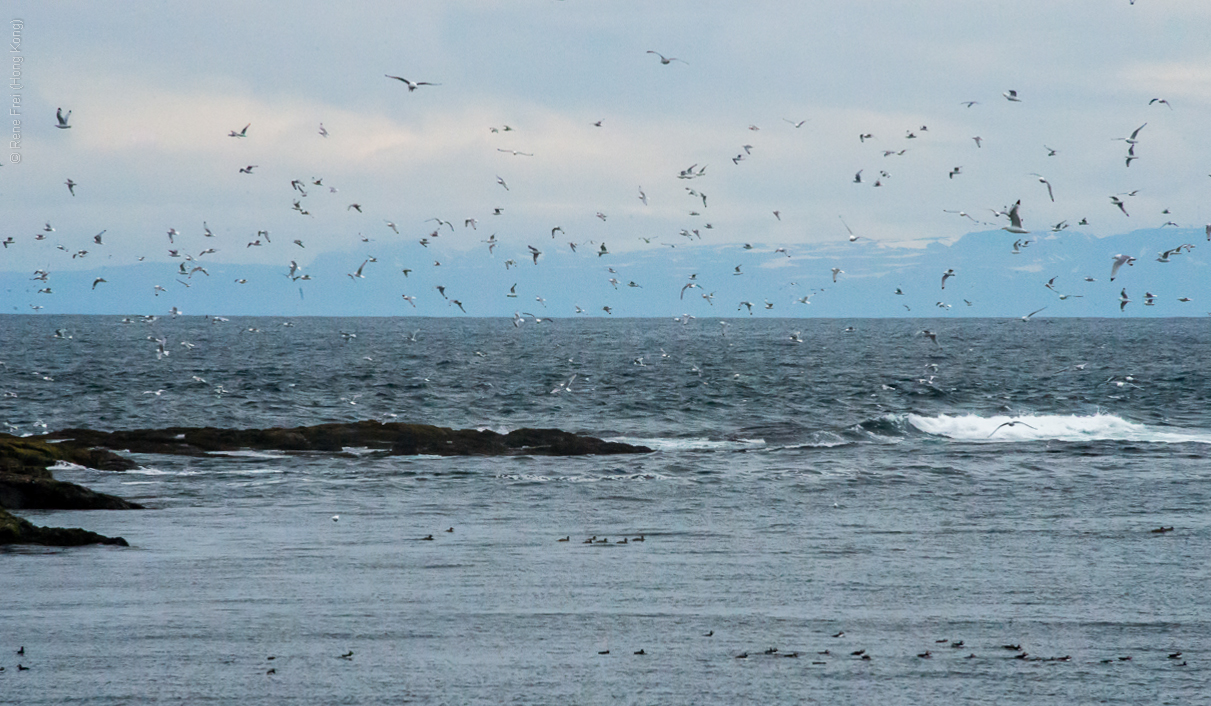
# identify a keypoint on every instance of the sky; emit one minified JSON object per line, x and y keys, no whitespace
{"x":556,"y":114}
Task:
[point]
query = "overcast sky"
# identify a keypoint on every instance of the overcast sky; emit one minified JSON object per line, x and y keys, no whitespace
{"x":154,"y":90}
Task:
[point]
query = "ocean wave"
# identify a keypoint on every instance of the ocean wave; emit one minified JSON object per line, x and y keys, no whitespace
{"x":691,"y":444}
{"x":66,"y":466}
{"x":1051,"y":427}
{"x":246,"y":453}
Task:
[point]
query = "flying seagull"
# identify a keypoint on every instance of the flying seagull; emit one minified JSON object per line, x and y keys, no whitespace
{"x":1015,"y":220}
{"x":1044,"y":181}
{"x":241,"y":133}
{"x":62,"y":119}
{"x":1119,"y":261}
{"x":1012,"y":95}
{"x":668,"y":59}
{"x":412,"y":85}
{"x":1012,"y":423}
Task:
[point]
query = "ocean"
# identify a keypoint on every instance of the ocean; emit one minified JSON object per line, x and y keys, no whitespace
{"x":818,"y":488}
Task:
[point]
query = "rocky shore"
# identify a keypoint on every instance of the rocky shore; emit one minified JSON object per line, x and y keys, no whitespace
{"x":393,"y":438}
{"x":26,"y":481}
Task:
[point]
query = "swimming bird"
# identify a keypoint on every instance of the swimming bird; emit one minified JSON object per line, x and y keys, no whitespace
{"x":1012,"y":423}
{"x":412,"y":85}
{"x":241,"y":133}
{"x":62,"y":119}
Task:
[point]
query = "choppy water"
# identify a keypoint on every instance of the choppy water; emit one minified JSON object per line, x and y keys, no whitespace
{"x":798,"y":490}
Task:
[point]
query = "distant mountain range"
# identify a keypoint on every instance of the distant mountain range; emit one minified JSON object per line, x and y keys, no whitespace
{"x":989,"y":281}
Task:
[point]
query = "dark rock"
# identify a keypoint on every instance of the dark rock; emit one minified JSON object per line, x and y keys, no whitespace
{"x":14,"y":530}
{"x":26,"y":481}
{"x":25,"y":493}
{"x":393,"y":438}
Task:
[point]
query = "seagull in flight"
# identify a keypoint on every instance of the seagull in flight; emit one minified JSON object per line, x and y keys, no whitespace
{"x":241,"y":133}
{"x":62,"y":119}
{"x":412,"y":85}
{"x":1012,"y":423}
{"x":1027,"y":317}
{"x":667,"y":59}
{"x":795,"y":124}
{"x":837,"y":271}
{"x":1015,"y":220}
{"x":1012,"y":96}
{"x":946,"y":275}
{"x":1119,"y":261}
{"x":1044,"y":181}
{"x":502,"y":183}
{"x":71,"y":186}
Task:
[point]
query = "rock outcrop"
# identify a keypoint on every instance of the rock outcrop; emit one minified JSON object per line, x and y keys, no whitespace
{"x":393,"y":438}
{"x":14,"y":530}
{"x":26,"y":483}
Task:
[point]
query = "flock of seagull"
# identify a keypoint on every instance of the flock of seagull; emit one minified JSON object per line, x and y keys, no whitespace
{"x":191,"y":262}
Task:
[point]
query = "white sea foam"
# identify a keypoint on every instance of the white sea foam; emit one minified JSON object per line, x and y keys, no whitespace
{"x":1057,"y":427}
{"x":246,"y":453}
{"x":66,"y":466}
{"x":694,"y":444}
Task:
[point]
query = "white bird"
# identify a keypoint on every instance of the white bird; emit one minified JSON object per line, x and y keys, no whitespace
{"x":1044,"y":181}
{"x":642,"y":197}
{"x":241,"y":133}
{"x":668,"y":59}
{"x":1012,"y":423}
{"x":502,"y":183}
{"x":837,"y":271}
{"x":412,"y":85}
{"x":62,"y":119}
{"x":323,"y":131}
{"x":945,"y":275}
{"x":358,"y":274}
{"x":852,"y":236}
{"x":1012,"y":95}
{"x":1027,"y":317}
{"x":1015,"y":220}
{"x":1119,"y":261}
